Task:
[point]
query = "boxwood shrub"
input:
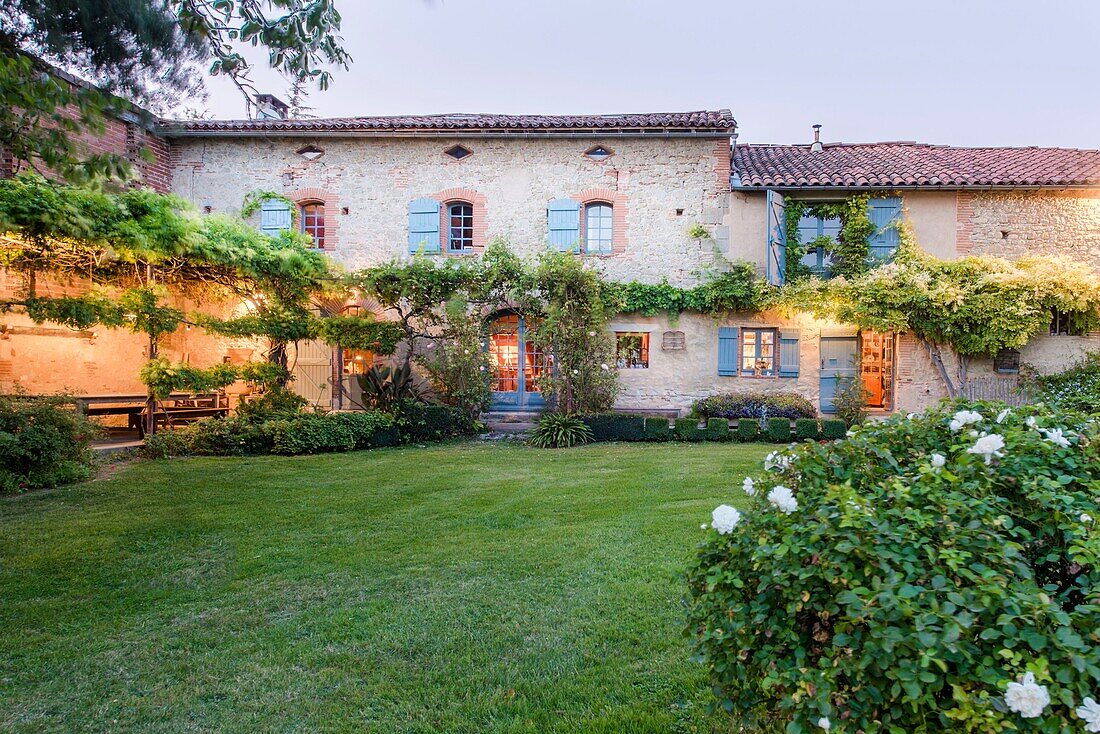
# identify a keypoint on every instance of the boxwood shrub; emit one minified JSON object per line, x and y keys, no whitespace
{"x":748,"y":429}
{"x":779,"y":430}
{"x":922,"y":570}
{"x":657,"y":429}
{"x":687,"y":429}
{"x":735,"y":405}
{"x":718,"y":429}
{"x":806,"y":429}
{"x":418,"y":422}
{"x":615,"y":426}
{"x":43,"y":443}
{"x":833,"y":428}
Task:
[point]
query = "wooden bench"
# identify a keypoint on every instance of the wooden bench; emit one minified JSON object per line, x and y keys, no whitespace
{"x":170,"y":416}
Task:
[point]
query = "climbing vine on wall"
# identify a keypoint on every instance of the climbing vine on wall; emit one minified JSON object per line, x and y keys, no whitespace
{"x":253,"y":200}
{"x":851,"y":253}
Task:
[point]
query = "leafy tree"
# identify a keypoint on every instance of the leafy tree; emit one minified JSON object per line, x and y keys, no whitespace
{"x":148,"y":52}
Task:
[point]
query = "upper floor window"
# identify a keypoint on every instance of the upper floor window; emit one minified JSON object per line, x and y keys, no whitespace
{"x":1061,"y":324}
{"x":758,"y":352}
{"x":460,"y":228}
{"x":313,"y":222}
{"x":810,"y":231}
{"x":597,"y":227}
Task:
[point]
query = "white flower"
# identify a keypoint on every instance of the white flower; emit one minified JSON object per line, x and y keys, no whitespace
{"x":465,"y":351}
{"x":703,"y":526}
{"x":592,"y":333}
{"x":1089,"y":712}
{"x":1031,"y":422}
{"x":776,"y":461}
{"x":749,"y":486}
{"x":1055,"y":436}
{"x":576,"y":372}
{"x":1027,"y":698}
{"x":964,"y":418}
{"x":725,"y":519}
{"x":1003,"y":414}
{"x":783,"y":499}
{"x":1086,"y":518}
{"x":481,"y":368}
{"x":604,"y":367}
{"x":975,"y":434}
{"x":988,"y":446}
{"x":938,"y":460}
{"x":908,"y":416}
{"x":824,"y":723}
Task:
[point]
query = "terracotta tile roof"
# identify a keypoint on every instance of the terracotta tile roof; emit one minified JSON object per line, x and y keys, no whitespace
{"x":718,"y":122}
{"x":870,"y":165}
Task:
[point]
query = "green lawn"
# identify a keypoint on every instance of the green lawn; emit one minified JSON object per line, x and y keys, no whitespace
{"x":465,"y":588}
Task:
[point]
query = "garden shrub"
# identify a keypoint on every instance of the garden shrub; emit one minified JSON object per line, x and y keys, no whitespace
{"x":850,"y":401}
{"x":806,"y":429}
{"x":687,"y":429}
{"x":779,"y":430}
{"x":748,"y":429}
{"x":657,"y":429}
{"x":1077,"y":388}
{"x":418,"y":422}
{"x":559,"y":431}
{"x":718,"y":429}
{"x":44,"y":442}
{"x":735,"y":405}
{"x":833,"y":428}
{"x":901,"y":579}
{"x":278,"y":402}
{"x":316,"y":433}
{"x":615,"y":426}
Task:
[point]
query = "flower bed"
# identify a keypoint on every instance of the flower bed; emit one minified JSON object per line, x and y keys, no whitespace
{"x":763,"y":405}
{"x":929,"y":574}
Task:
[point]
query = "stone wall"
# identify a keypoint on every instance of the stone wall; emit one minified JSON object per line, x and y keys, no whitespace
{"x":665,"y":185}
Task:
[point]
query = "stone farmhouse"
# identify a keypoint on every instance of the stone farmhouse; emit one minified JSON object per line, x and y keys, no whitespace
{"x":627,"y":192}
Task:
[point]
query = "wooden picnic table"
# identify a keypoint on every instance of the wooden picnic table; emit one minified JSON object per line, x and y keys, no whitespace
{"x":177,"y":408}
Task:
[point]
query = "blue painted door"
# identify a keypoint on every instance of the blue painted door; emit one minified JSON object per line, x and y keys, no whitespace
{"x":838,"y":364}
{"x":515,"y":363}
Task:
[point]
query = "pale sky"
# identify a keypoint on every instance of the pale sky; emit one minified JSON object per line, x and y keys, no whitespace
{"x":959,"y":72}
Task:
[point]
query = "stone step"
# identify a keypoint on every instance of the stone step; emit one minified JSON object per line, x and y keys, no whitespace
{"x":501,"y":416}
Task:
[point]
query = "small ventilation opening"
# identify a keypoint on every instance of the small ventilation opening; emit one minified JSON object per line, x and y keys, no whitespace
{"x":599,"y":153}
{"x":458,"y":152}
{"x":310,"y":152}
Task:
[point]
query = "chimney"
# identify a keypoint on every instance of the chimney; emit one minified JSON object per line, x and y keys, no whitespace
{"x":816,"y":147}
{"x":270,"y":107}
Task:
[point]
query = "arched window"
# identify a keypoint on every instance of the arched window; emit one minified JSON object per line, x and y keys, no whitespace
{"x":313,"y":222}
{"x":460,"y":226}
{"x":597,"y":227}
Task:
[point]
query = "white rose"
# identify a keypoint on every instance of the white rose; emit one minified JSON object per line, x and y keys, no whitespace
{"x":604,"y":367}
{"x":725,"y":519}
{"x":988,"y":446}
{"x":783,"y":499}
{"x":1027,"y":698}
{"x":1089,"y":712}
{"x":1003,"y":414}
{"x":938,"y":460}
{"x":1086,"y":518}
{"x":1056,"y":437}
{"x":824,"y":723}
{"x":749,"y":486}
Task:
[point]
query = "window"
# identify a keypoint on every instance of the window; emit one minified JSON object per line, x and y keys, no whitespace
{"x":632,"y":350}
{"x":599,"y":153}
{"x":1007,"y":361}
{"x":458,"y":152}
{"x":811,"y":228}
{"x":1061,"y":324}
{"x":758,"y":352}
{"x":310,"y":152}
{"x":357,"y":361}
{"x":313,"y":223}
{"x":597,"y":227}
{"x":460,"y":230}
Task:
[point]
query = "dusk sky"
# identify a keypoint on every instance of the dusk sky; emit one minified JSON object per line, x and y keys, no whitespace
{"x":960,"y":72}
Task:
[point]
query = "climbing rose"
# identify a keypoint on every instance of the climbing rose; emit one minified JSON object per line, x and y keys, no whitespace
{"x":725,"y":519}
{"x":988,"y":446}
{"x":749,"y":486}
{"x":964,"y":418}
{"x":1089,"y":712}
{"x":783,"y":499}
{"x":824,"y":723}
{"x":1055,"y":436}
{"x":1027,"y":698}
{"x":938,"y":460}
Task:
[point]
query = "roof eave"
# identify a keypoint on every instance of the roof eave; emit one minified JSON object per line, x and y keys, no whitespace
{"x":714,"y":133}
{"x":919,"y":187}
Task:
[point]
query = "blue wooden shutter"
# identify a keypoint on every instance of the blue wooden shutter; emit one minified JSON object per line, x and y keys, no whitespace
{"x":274,"y":217}
{"x":423,"y":225}
{"x":789,"y":352}
{"x":564,"y":219}
{"x":776,"y":265}
{"x":884,"y":212}
{"x":727,"y":350}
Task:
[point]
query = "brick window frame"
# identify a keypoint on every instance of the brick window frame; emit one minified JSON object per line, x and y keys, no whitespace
{"x":617,"y":201}
{"x":477,"y":203}
{"x":304,"y":197}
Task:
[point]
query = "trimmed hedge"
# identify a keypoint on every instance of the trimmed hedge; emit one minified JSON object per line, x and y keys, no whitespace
{"x":615,"y":426}
{"x":833,"y":429}
{"x":718,"y":429}
{"x":687,"y":429}
{"x":419,"y":422}
{"x":779,"y":430}
{"x":657,"y":429}
{"x":736,"y":405}
{"x":806,"y":429}
{"x":748,"y":430}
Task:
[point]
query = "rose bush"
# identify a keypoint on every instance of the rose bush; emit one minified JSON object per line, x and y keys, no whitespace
{"x":926,"y":574}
